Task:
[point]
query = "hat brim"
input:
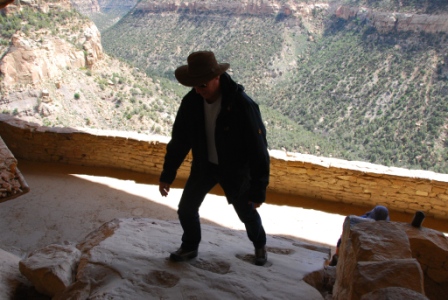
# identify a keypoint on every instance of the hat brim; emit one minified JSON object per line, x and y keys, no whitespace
{"x":185,"y":78}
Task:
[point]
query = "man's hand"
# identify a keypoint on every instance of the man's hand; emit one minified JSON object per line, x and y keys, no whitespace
{"x":255,"y":205}
{"x":164,"y":188}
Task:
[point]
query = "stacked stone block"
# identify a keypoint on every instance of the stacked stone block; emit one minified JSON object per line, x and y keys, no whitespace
{"x":307,"y":176}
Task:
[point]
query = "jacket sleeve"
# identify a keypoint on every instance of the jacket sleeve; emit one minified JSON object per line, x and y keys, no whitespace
{"x":178,"y":147}
{"x":259,"y":159}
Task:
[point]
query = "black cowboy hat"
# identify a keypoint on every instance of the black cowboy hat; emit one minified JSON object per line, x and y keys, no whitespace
{"x":202,"y":67}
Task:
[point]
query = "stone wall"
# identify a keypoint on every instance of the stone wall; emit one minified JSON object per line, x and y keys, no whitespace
{"x":296,"y":174}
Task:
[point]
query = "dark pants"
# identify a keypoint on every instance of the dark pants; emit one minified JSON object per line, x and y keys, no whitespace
{"x":198,"y":185}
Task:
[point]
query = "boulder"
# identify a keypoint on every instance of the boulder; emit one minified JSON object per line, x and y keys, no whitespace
{"x":430,"y":248}
{"x":373,"y":275}
{"x":12,"y":183}
{"x":51,"y":269}
{"x":374,"y":255}
{"x":393,"y":293}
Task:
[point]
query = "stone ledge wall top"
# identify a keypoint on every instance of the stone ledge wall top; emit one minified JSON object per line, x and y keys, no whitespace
{"x":302,"y":175}
{"x":328,"y":162}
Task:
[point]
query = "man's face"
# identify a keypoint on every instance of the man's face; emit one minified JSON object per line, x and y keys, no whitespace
{"x":209,"y":90}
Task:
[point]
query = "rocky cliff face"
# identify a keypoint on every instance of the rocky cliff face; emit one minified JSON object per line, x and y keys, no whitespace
{"x":30,"y":62}
{"x":54,"y":72}
{"x":41,"y":5}
{"x":107,"y":5}
{"x":253,"y":8}
{"x":36,"y":56}
{"x":391,"y":21}
{"x":86,"y":7}
{"x":381,"y":20}
{"x":89,"y":7}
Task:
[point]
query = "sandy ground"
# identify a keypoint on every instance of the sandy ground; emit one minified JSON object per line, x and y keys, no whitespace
{"x":67,"y":202}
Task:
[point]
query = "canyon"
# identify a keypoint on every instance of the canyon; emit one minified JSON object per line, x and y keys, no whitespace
{"x":34,"y":72}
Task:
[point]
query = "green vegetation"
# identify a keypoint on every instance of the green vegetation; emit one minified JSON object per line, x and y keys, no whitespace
{"x":346,"y":91}
{"x":104,"y":21}
{"x":377,"y":96}
{"x":35,"y":20}
{"x":326,"y":86}
{"x":115,"y":95}
{"x":235,"y":38}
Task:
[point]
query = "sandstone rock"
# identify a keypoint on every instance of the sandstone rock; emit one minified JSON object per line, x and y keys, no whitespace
{"x":430,"y":248}
{"x":372,"y":275}
{"x":35,"y":61}
{"x":45,"y":93}
{"x":45,"y":96}
{"x":376,"y":240}
{"x":127,"y":259}
{"x":345,"y":12}
{"x":12,"y":183}
{"x":51,"y":269}
{"x":92,"y":45}
{"x":10,"y":277}
{"x":393,"y":293}
{"x":389,"y":21}
{"x":45,"y":109}
{"x":86,"y":7}
{"x":254,"y":8}
{"x":374,"y":255}
{"x":30,"y":63}
{"x":323,"y":280}
{"x":7,"y":160}
{"x":377,"y":263}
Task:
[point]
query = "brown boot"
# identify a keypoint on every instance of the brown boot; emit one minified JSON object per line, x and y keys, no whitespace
{"x":261,"y":256}
{"x":183,"y":255}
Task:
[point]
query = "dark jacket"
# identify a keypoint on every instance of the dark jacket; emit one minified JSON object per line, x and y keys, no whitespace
{"x":240,"y":138}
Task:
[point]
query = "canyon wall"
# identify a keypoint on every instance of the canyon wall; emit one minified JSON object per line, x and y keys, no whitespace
{"x":385,"y":22}
{"x":248,"y":8}
{"x":30,"y":62}
{"x":89,"y":7}
{"x":86,"y":7}
{"x":306,"y":176}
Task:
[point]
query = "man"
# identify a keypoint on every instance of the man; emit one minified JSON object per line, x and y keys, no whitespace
{"x":223,"y":128}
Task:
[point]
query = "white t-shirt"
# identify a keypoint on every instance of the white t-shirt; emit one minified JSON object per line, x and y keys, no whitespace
{"x":211,"y":111}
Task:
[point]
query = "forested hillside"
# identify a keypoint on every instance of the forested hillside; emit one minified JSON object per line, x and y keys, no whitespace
{"x":353,"y":79}
{"x":50,"y":76}
{"x":382,"y":96}
{"x":327,"y":85}
{"x":259,"y":50}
